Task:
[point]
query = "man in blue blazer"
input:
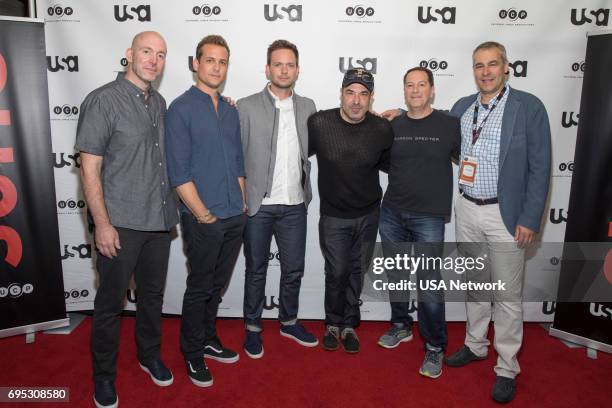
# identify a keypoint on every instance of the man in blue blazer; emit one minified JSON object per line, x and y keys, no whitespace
{"x":503,"y":184}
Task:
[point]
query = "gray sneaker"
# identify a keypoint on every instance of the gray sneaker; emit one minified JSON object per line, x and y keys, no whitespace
{"x":394,"y":336}
{"x":432,"y":364}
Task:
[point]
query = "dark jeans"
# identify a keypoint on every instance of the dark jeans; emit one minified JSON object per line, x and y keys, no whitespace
{"x":212,"y":250}
{"x":427,"y":233}
{"x":145,"y":255}
{"x":288,"y":225}
{"x":341,"y":243}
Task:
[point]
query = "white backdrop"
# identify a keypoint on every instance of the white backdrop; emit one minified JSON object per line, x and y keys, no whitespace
{"x":86,"y":41}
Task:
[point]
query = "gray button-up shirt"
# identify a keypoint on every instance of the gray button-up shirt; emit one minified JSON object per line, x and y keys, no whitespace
{"x":117,"y":123}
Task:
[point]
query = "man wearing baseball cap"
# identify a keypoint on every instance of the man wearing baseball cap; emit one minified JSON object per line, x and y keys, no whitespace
{"x":351,"y":145}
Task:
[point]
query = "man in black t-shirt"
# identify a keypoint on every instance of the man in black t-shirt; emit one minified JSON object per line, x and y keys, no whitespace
{"x":351,"y":145}
{"x":415,"y":208}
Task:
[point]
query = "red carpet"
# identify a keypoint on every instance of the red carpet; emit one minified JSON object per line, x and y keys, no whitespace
{"x":290,"y":375}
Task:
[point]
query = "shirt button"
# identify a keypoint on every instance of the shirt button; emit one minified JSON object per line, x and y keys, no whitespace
{"x":164,"y":203}
{"x":156,"y":144}
{"x":163,"y":183}
{"x":160,"y":163}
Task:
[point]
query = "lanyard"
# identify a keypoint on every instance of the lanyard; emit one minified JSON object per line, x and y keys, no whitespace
{"x":477,"y":129}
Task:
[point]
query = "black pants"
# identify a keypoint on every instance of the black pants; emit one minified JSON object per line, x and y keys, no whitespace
{"x":212,"y":250}
{"x":341,"y":243}
{"x":144,"y":254}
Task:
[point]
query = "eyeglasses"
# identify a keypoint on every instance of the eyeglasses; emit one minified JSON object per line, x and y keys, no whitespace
{"x":359,"y":73}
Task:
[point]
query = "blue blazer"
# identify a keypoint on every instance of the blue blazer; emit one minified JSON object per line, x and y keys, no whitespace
{"x":524,"y":158}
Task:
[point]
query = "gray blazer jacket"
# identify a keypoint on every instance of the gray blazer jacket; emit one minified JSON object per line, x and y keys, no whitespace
{"x":259,"y":129}
{"x":524,"y":159}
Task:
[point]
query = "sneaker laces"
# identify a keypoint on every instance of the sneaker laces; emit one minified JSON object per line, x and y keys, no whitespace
{"x":431,"y":356}
{"x":334,"y":331}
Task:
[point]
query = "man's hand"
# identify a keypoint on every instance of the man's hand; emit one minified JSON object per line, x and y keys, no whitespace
{"x":229,"y":100}
{"x":107,"y":240}
{"x":523,"y":236}
{"x":391,"y":114}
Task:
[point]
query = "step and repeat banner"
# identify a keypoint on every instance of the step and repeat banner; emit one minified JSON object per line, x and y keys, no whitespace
{"x":86,"y":43}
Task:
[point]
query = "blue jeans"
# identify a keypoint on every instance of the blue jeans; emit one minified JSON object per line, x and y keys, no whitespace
{"x":288,"y":225}
{"x":424,"y":231}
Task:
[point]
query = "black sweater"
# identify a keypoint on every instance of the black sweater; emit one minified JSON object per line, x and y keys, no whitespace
{"x":349,"y":157}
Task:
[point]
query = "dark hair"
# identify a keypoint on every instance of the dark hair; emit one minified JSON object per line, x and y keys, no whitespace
{"x":283,"y":45}
{"x":430,"y":77}
{"x":211,"y":39}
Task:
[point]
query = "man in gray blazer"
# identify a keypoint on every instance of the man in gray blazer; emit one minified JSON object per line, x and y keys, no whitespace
{"x":503,"y":184}
{"x":275,"y":145}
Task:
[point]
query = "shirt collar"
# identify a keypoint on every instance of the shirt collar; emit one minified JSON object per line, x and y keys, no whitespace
{"x":486,"y":106}
{"x":277,"y":100}
{"x":131,"y":87}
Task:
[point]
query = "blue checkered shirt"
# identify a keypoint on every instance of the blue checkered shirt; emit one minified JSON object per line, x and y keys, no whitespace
{"x":486,"y":149}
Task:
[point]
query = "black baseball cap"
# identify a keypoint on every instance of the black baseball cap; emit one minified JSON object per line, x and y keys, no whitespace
{"x":358,"y":76}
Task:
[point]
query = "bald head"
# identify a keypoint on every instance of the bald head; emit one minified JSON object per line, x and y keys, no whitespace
{"x":146,"y":58}
{"x":147,"y":35}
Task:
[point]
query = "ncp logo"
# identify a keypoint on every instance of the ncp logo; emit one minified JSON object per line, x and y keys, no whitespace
{"x":142,"y":13}
{"x":446,"y":15}
{"x":566,"y":167}
{"x":512,"y":14}
{"x":83,"y":251}
{"x":70,"y":206}
{"x":76,"y":294}
{"x":569,"y":119}
{"x":599,"y":17}
{"x":578,"y":66}
{"x":556,"y":216}
{"x":368,"y":63}
{"x":519,"y":68}
{"x":433,"y":64}
{"x":65,"y":112}
{"x":206,"y":10}
{"x":57,"y":10}
{"x":291,"y":13}
{"x":15,"y":290}
{"x":359,"y":11}
{"x":69,"y":63}
{"x":60,"y":161}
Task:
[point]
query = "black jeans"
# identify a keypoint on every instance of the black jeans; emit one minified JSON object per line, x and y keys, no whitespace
{"x":144,"y":254}
{"x":288,"y":225}
{"x":341,"y":243}
{"x":212,"y":250}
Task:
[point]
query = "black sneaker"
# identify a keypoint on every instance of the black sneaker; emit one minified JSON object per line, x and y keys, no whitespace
{"x":198,"y":372}
{"x":160,"y":374}
{"x":105,"y":395}
{"x":214,"y":349}
{"x":462,"y":357}
{"x":330,"y":339}
{"x":503,"y":390}
{"x":350,"y":342}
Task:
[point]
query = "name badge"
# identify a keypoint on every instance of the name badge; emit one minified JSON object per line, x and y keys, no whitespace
{"x":467,"y":172}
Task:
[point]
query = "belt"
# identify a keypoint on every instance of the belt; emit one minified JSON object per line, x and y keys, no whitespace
{"x":479,"y":201}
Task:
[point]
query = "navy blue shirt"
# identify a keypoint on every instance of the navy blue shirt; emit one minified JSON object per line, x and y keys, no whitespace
{"x":205,"y":148}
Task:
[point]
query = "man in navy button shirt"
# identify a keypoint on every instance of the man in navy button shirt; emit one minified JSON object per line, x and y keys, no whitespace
{"x":206,"y":167}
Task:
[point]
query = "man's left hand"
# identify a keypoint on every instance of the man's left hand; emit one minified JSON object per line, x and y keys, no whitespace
{"x":523,"y":236}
